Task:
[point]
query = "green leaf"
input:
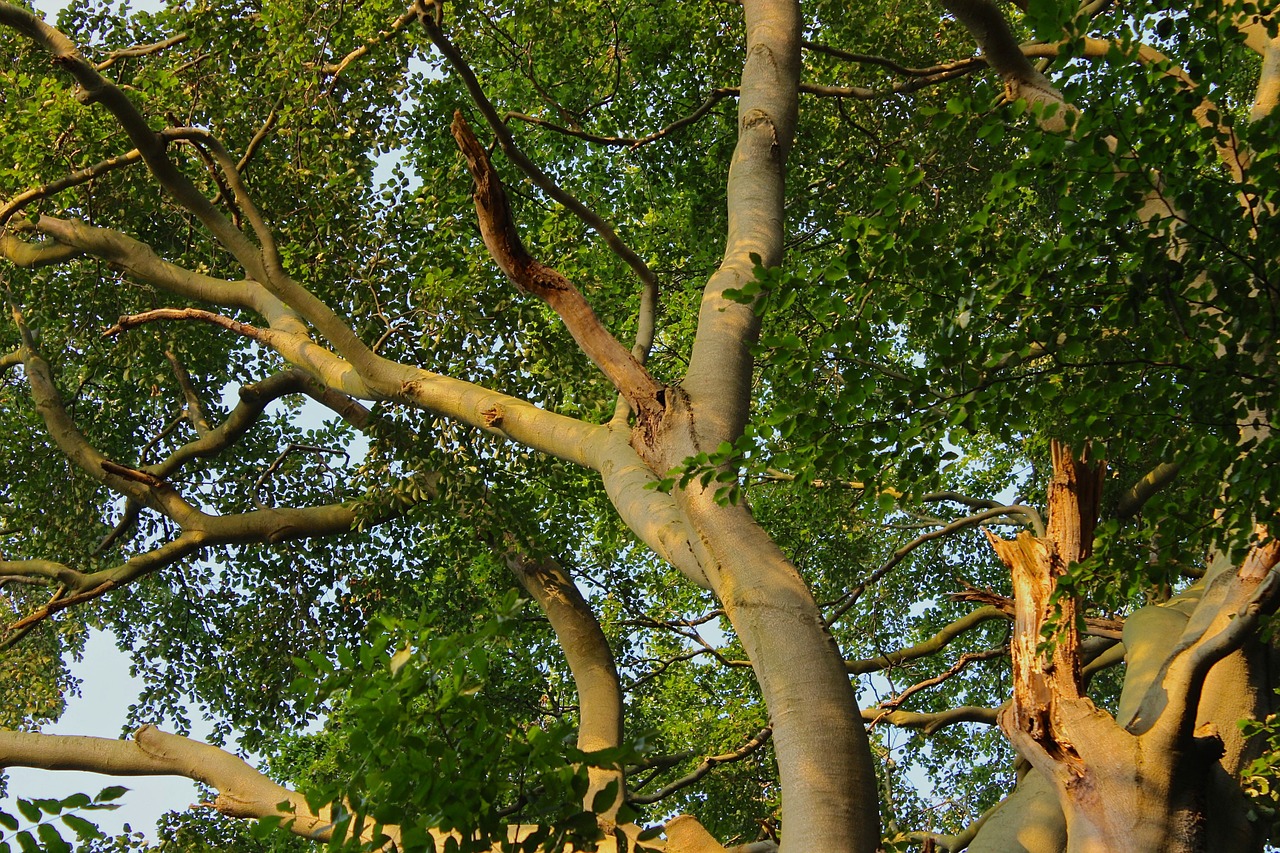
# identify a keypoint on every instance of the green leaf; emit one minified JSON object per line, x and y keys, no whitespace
{"x":85,"y":830}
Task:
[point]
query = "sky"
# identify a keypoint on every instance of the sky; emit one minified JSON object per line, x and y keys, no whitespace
{"x":106,"y":691}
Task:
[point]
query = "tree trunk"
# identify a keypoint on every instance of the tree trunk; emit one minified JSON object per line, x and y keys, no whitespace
{"x":829,"y":796}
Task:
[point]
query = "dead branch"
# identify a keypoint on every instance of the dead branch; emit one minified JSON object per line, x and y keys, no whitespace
{"x":531,"y":276}
{"x":647,"y":316}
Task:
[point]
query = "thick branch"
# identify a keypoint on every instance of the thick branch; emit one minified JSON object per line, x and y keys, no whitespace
{"x":262,"y":265}
{"x":590,"y":661}
{"x":1155,"y":480}
{"x":1225,"y":619}
{"x":531,"y":276}
{"x":140,"y":261}
{"x":297,"y":348}
{"x":242,"y":791}
{"x":718,"y":381}
{"x":987,"y":24}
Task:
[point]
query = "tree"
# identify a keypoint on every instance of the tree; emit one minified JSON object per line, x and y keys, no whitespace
{"x":674,"y":326}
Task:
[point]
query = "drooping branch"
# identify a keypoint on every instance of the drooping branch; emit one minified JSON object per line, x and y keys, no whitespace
{"x":531,"y":276}
{"x":591,"y":663}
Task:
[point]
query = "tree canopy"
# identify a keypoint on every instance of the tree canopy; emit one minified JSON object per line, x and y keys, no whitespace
{"x":843,"y":426}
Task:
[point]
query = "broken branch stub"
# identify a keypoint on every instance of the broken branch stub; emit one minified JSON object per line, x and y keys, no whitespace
{"x":1045,"y":644}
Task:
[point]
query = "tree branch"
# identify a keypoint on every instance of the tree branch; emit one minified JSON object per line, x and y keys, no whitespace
{"x":633,"y":142}
{"x":586,"y":649}
{"x":930,"y":723}
{"x":1137,"y":495}
{"x":80,"y":176}
{"x":140,"y":50}
{"x":963,"y":661}
{"x":262,"y":265}
{"x":531,"y":276}
{"x":242,"y":791}
{"x":646,"y":327}
{"x":851,"y":597}
{"x":336,"y":69}
{"x":987,"y":24}
{"x":934,"y":644}
{"x":704,"y":767}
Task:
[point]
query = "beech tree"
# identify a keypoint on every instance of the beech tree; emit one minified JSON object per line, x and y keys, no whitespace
{"x":872,"y":402}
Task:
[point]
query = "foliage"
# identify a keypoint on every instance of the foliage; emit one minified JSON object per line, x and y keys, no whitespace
{"x":412,"y":699}
{"x":964,"y":282}
{"x":46,"y":819}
